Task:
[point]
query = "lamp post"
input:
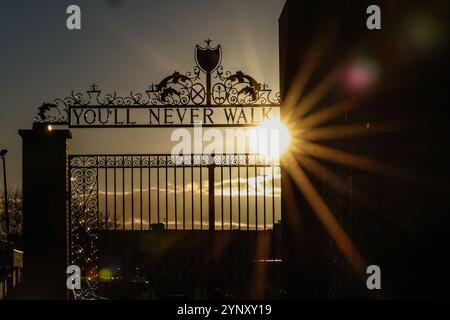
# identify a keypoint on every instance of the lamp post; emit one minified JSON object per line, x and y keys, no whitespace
{"x":3,"y":153}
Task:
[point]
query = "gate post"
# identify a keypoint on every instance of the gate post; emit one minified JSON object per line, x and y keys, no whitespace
{"x":45,"y":206}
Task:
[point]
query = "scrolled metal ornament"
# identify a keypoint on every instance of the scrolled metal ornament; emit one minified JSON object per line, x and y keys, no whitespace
{"x":84,"y":215}
{"x":208,"y":85}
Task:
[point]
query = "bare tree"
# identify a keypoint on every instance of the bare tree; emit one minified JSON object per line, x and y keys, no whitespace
{"x":15,"y":215}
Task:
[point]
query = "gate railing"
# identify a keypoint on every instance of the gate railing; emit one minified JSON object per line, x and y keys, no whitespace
{"x":11,"y":268}
{"x":137,"y":192}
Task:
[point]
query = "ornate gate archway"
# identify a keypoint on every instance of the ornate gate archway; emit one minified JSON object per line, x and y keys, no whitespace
{"x":144,"y":217}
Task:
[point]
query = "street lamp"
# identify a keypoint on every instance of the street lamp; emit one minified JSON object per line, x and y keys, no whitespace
{"x":3,"y":153}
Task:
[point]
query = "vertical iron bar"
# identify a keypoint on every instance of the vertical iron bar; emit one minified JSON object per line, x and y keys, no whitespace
{"x":273,"y":196}
{"x":264,"y":200}
{"x":192,"y":191}
{"x":115,"y":194}
{"x":211,"y":204}
{"x":149,"y":193}
{"x":211,"y":197}
{"x":191,"y":256}
{"x":201,"y":193}
{"x":248,"y":198}
{"x":221,"y":192}
{"x":97,"y":208}
{"x":166,"y":258}
{"x":184,"y":195}
{"x":106,"y":193}
{"x":175,"y":193}
{"x":248,"y":247}
{"x":140,"y":187}
{"x":231,"y":192}
{"x":96,"y":182}
{"x":256,"y":195}
{"x":274,"y":238}
{"x":231,"y":218}
{"x":167,"y":195}
{"x":123,"y":192}
{"x":157,"y":187}
{"x":239,"y":267}
{"x":211,"y":217}
{"x":132,"y":192}
{"x":239,"y":194}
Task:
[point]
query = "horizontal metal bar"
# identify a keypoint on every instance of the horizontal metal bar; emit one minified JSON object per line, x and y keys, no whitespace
{"x":173,"y":106}
{"x":186,"y":125}
{"x":161,"y":154}
{"x":168,"y":160}
{"x":180,"y":166}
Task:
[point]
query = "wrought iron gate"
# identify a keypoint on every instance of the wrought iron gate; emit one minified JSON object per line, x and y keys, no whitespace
{"x":143,"y":217}
{"x":164,"y":198}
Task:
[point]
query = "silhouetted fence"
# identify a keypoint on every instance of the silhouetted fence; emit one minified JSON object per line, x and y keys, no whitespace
{"x":11,"y":268}
{"x":182,"y":223}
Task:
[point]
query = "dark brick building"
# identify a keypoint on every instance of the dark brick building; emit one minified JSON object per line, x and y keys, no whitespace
{"x":397,"y":213}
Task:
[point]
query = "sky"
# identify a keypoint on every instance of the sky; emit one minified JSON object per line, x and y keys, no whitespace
{"x":122,"y":46}
{"x":241,"y":201}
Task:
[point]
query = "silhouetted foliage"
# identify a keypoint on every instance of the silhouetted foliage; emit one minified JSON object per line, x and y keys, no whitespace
{"x":15,"y":215}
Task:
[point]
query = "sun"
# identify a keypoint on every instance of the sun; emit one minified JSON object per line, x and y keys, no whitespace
{"x":271,"y":139}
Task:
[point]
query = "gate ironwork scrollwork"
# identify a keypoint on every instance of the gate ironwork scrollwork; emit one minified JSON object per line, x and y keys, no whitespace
{"x":207,"y":85}
{"x":84,"y":213}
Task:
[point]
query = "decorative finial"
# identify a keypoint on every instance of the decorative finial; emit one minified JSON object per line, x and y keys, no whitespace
{"x":153,"y":87}
{"x":94,"y":87}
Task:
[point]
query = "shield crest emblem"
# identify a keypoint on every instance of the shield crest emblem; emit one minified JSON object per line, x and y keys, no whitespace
{"x":207,"y":58}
